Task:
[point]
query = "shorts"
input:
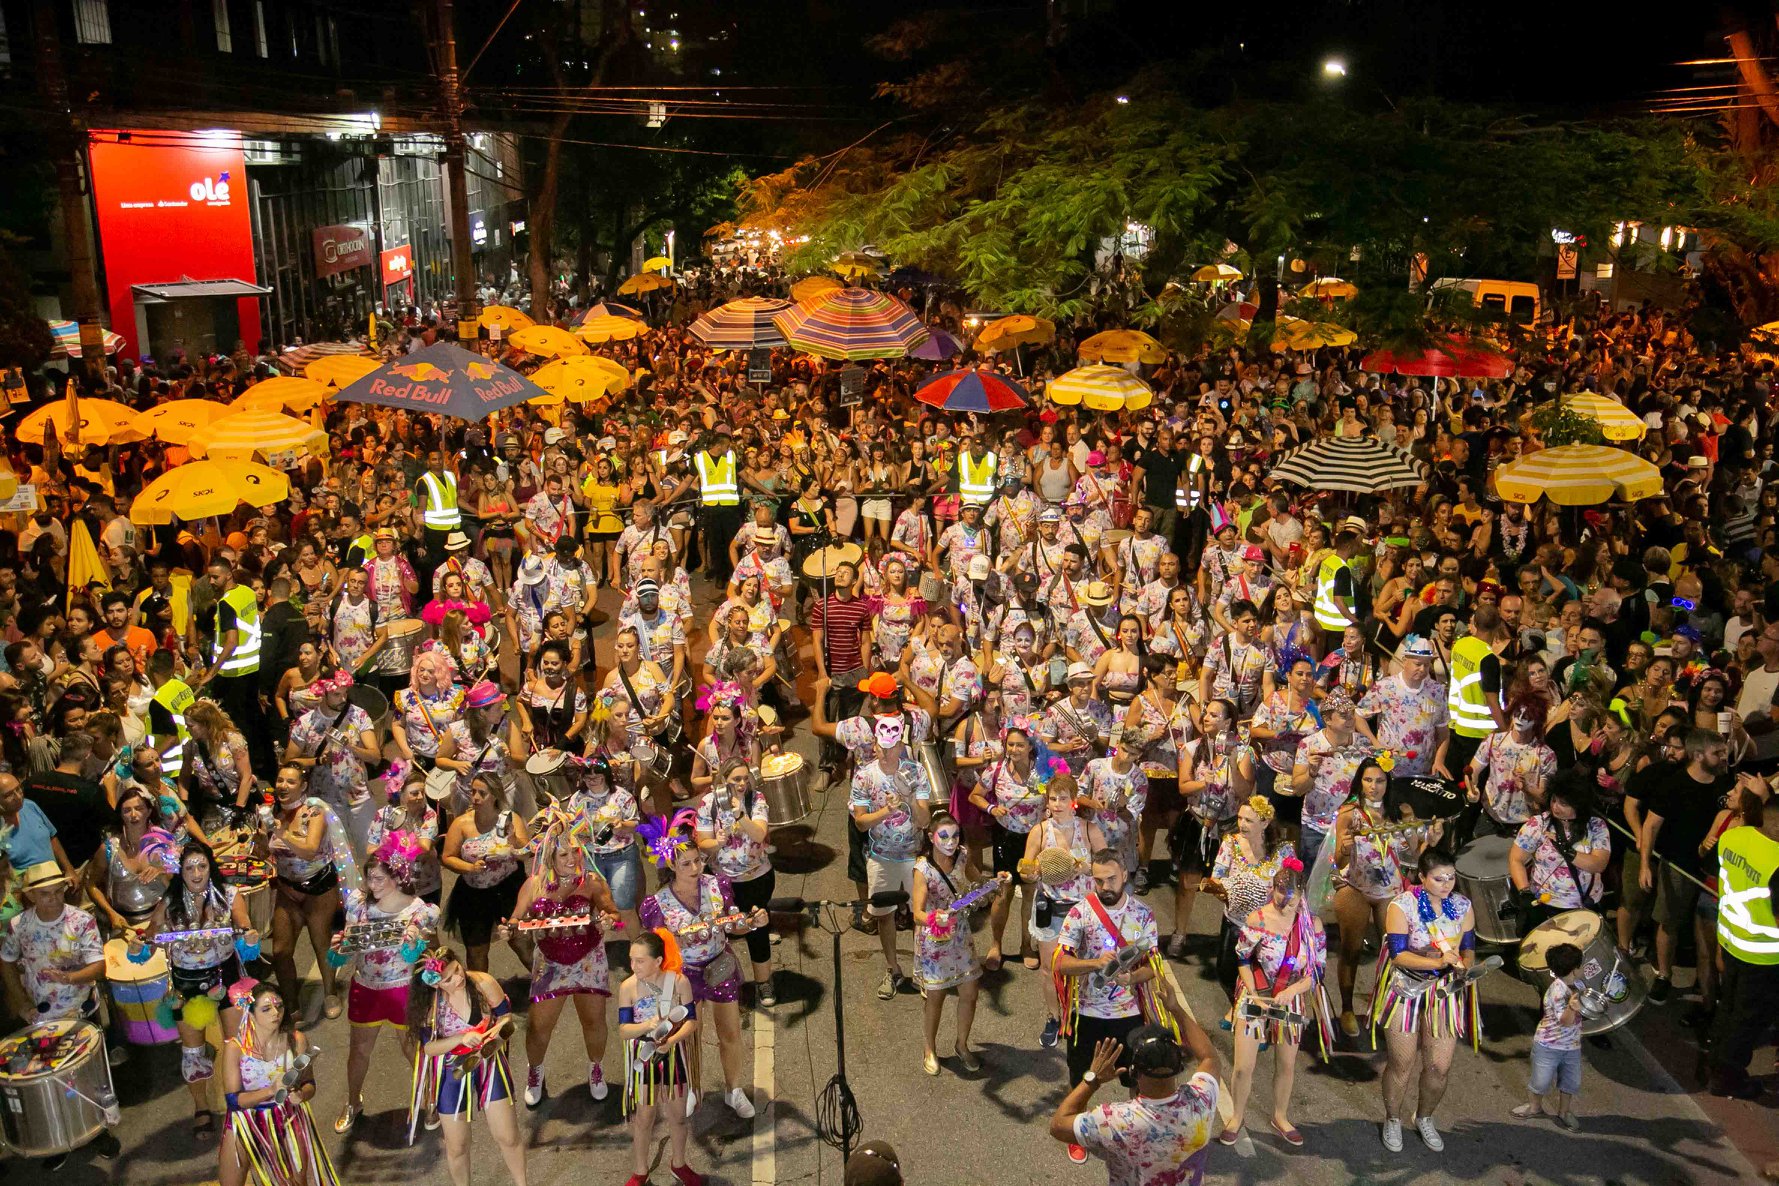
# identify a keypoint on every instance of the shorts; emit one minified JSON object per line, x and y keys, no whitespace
{"x":1087,"y":1033}
{"x":1676,"y":898}
{"x":1631,"y":894}
{"x":209,"y":982}
{"x":371,"y":1007}
{"x":623,"y":873}
{"x":875,"y":509}
{"x":490,"y":1080}
{"x":1561,"y":1066}
{"x":1059,"y":910}
{"x":1009,"y":850}
{"x":883,"y":875}
{"x":1194,"y":845}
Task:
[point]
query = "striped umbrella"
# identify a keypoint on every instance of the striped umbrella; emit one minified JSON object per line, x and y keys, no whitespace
{"x":1578,"y":476}
{"x":852,"y":323}
{"x":1617,"y":422}
{"x":1358,"y":465}
{"x":67,"y":338}
{"x":298,"y":357}
{"x":971,"y":390}
{"x":741,"y":325}
{"x":607,"y":309}
{"x":1100,"y":387}
{"x":237,"y":437}
{"x":340,"y":370}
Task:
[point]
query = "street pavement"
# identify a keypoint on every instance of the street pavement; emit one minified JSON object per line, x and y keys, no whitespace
{"x":1639,"y":1125}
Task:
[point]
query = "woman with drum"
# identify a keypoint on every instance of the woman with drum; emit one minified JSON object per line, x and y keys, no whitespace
{"x":462,"y":1020}
{"x":1063,"y":829}
{"x":1011,"y":792}
{"x":1369,"y":872}
{"x":652,"y":719}
{"x":410,"y":818}
{"x":309,"y":850}
{"x":552,"y":711}
{"x":483,"y":847}
{"x":218,"y":776}
{"x":422,"y":712}
{"x":387,"y":928}
{"x":202,"y":966}
{"x":1157,"y":727}
{"x":944,"y":948}
{"x":1220,"y":775}
{"x":134,"y":864}
{"x":334,"y":742}
{"x":1283,"y":957}
{"x":732,"y":825}
{"x":268,"y":1082}
{"x":658,"y":1021}
{"x":568,"y":960}
{"x":608,"y":814}
{"x":476,"y":743}
{"x":1422,"y":1004}
{"x":1559,"y":855}
{"x":1020,"y":673}
{"x":699,"y":909}
{"x":731,"y":735}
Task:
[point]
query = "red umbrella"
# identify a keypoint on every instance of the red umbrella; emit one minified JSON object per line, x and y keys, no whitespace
{"x":1456,"y":358}
{"x":971,"y":390}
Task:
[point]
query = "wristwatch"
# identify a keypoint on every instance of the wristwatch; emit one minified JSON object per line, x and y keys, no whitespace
{"x":1091,"y":1079}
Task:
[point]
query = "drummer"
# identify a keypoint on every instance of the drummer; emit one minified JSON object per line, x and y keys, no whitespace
{"x":1559,"y":856}
{"x":731,"y":734}
{"x":202,"y":967}
{"x":1519,"y":765}
{"x":412,"y":819}
{"x":732,"y":823}
{"x":134,"y":863}
{"x":334,"y":742}
{"x":476,"y":743}
{"x":51,"y":955}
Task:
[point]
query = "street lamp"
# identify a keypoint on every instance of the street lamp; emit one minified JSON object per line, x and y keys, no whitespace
{"x":1334,"y":68}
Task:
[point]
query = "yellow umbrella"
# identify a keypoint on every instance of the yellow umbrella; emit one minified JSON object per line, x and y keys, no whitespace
{"x":180,"y":420}
{"x":1296,"y":334}
{"x":199,"y":489}
{"x":341,"y":370}
{"x":1330,"y":286}
{"x":659,"y":263}
{"x":1122,"y":345}
{"x":811,"y":287}
{"x":643,"y":282}
{"x":1019,"y":329}
{"x":504,"y":318}
{"x":1617,"y":422}
{"x":1217,"y":272}
{"x":1102,"y":388}
{"x":549,"y":341}
{"x":102,"y":422}
{"x":581,"y":378}
{"x":240,"y":435}
{"x":1578,"y":476}
{"x":85,"y":569}
{"x":853,"y":271}
{"x":1768,"y":332}
{"x":284,"y":391}
{"x":609,"y":329}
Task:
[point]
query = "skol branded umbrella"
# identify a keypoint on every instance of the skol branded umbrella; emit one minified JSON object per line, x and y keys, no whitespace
{"x":444,"y":378}
{"x":180,"y":421}
{"x":852,"y":323}
{"x":1018,"y":329}
{"x":504,"y":318}
{"x":643,"y":282}
{"x":240,"y":435}
{"x":1331,"y":287}
{"x":199,"y":489}
{"x":741,"y":324}
{"x":546,"y":341}
{"x":1214,"y":272}
{"x":102,"y":422}
{"x":580,"y":378}
{"x":1122,"y":345}
{"x":283,"y":392}
{"x":338,"y":370}
{"x":1617,"y":422}
{"x":609,"y":329}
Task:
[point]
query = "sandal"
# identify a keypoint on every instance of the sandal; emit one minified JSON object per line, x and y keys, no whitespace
{"x":1289,"y":1135}
{"x":203,"y":1123}
{"x":993,"y":962}
{"x":331,"y":1008}
{"x":1031,"y":961}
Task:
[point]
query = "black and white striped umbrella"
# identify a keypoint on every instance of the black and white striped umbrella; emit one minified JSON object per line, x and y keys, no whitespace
{"x":1358,"y":465}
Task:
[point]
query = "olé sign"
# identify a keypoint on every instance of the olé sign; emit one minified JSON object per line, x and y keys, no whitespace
{"x":340,"y":249}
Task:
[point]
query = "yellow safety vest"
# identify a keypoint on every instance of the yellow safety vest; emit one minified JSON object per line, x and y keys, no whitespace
{"x":245,"y":660}
{"x":976,"y":479}
{"x":716,"y":480}
{"x":1465,"y":698}
{"x":1330,"y":615}
{"x":1746,"y":928}
{"x":441,"y":512}
{"x":177,"y":698}
{"x":366,"y":545}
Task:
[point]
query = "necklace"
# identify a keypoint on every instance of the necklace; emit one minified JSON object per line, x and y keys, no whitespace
{"x":1424,"y":901}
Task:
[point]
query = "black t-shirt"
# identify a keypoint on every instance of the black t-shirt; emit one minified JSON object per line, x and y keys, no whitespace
{"x":76,"y":806}
{"x":1161,"y":476}
{"x":1688,"y":809}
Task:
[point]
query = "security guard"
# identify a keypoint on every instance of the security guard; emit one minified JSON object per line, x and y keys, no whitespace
{"x":435,"y":497}
{"x":1334,"y":590}
{"x":976,"y":472}
{"x":1473,"y":703}
{"x":172,"y":698}
{"x":233,"y":677}
{"x":719,"y":501}
{"x":1748,"y":937}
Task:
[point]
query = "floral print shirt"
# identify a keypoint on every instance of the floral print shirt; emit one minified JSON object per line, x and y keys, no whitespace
{"x":1514,"y":768}
{"x":1332,"y":781}
{"x":1085,"y":937}
{"x":895,"y":837}
{"x":1549,"y":873}
{"x":339,"y":772}
{"x":1407,"y":719}
{"x":739,"y":857}
{"x":1151,"y":1142}
{"x":65,"y":944}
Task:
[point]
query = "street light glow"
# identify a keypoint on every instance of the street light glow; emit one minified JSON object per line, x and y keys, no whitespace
{"x":1334,"y":68}
{"x":1124,"y":100}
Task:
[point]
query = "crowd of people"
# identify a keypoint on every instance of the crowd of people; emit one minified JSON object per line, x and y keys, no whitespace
{"x":1063,"y":664}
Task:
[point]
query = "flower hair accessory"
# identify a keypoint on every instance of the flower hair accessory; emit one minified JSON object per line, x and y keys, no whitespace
{"x":664,"y":837}
{"x":727,"y":693}
{"x":1292,"y":863}
{"x":400,"y":853}
{"x":1261,"y":806}
{"x":241,"y":993}
{"x":432,"y":969}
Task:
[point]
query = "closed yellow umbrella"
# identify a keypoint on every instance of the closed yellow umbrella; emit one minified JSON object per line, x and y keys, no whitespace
{"x":547,"y":341}
{"x":643,"y":282}
{"x":609,"y":329}
{"x":813,"y":287}
{"x":341,"y":370}
{"x":1102,"y":388}
{"x":1213,"y":272}
{"x":1330,"y":286}
{"x":1122,"y":345}
{"x":240,"y":435}
{"x":581,"y":379}
{"x":180,"y":420}
{"x":1617,"y":422}
{"x":199,"y":489}
{"x":102,"y":422}
{"x":284,"y":391}
{"x":504,"y":318}
{"x":1018,"y":329}
{"x":1578,"y":476}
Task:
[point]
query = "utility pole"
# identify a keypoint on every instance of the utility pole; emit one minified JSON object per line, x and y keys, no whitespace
{"x":456,"y":153}
{"x":67,"y":133}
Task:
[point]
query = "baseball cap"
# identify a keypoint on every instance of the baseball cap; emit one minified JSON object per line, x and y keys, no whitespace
{"x":554,"y":436}
{"x":1253,"y":552}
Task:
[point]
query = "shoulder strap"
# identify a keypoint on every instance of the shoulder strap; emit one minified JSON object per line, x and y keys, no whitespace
{"x":1099,"y":909}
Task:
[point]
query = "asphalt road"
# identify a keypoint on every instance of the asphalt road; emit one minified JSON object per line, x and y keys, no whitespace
{"x":1638,"y":1125}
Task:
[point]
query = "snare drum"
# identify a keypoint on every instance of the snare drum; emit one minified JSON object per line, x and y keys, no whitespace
{"x":934,"y":591}
{"x":1611,"y":988}
{"x":405,"y":636}
{"x":374,"y":703}
{"x":656,"y":761}
{"x":55,"y":1080}
{"x":1482,"y":877}
{"x":548,"y":769}
{"x":141,"y":995}
{"x":784,"y":780}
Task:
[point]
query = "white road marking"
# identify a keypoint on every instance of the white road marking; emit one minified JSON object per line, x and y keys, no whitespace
{"x":1244,"y":1144}
{"x":765,"y":1151}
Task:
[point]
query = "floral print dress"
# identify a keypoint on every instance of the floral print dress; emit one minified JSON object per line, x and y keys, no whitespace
{"x":950,"y":960}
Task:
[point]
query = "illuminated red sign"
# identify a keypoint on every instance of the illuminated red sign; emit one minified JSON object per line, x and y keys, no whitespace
{"x":172,"y":206}
{"x":340,"y":249}
{"x":398,"y":264}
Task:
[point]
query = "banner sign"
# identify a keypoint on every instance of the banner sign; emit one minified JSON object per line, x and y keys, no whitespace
{"x":340,"y":249}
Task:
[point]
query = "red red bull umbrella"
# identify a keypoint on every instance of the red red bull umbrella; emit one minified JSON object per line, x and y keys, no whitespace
{"x":1454,"y":358}
{"x":444,"y":378}
{"x":971,"y":390}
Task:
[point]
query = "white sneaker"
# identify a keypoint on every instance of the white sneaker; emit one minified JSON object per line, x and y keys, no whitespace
{"x":1429,"y":1135}
{"x":534,"y":1087}
{"x":743,"y":1107}
{"x":596,"y":1081}
{"x":1393,"y":1135}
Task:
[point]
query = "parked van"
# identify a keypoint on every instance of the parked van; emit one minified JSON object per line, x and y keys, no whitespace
{"x":1510,"y":300}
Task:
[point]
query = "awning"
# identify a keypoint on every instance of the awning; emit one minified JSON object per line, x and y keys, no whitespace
{"x":182,"y":289}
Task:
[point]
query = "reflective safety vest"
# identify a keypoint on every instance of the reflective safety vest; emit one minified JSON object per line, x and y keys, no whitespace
{"x":245,"y":659}
{"x":1330,"y":615}
{"x":976,"y":479}
{"x":176,"y":697}
{"x":1746,"y":928}
{"x":366,"y":545}
{"x":716,"y":479}
{"x":441,"y":512}
{"x":1466,"y":700}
